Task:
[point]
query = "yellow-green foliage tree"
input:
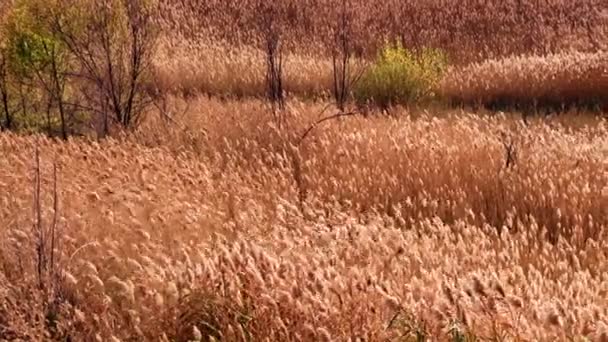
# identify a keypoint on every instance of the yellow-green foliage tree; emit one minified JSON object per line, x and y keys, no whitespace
{"x":83,"y":62}
{"x":401,"y":76}
{"x":6,"y":120}
{"x":39,"y":62}
{"x":24,"y":62}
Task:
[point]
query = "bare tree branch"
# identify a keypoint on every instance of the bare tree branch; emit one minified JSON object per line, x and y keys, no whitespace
{"x":317,"y":123}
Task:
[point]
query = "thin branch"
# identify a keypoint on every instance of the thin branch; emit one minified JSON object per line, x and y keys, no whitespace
{"x":82,"y":107}
{"x":88,"y":244}
{"x":54,"y":225}
{"x":332,"y":117}
{"x":38,"y":232}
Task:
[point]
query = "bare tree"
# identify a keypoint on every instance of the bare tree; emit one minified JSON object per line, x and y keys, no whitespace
{"x":4,"y":94}
{"x":114,"y":53}
{"x":342,"y":52}
{"x":274,"y":69}
{"x":4,"y":77}
{"x":52,"y":79}
{"x":271,"y":31}
{"x":46,"y":237}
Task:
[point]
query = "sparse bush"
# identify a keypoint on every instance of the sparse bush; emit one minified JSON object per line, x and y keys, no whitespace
{"x":400,"y":76}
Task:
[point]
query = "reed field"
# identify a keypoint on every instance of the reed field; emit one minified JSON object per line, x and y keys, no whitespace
{"x":237,"y":173}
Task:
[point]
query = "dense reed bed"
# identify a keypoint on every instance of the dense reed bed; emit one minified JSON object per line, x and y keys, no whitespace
{"x":220,"y":225}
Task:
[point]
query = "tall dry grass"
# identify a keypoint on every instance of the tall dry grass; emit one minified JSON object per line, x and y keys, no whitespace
{"x":370,"y":228}
{"x":565,"y":79}
{"x":559,"y":82}
{"x":469,"y":30}
{"x":215,"y":68}
{"x":216,"y":47}
{"x":381,"y":163}
{"x":211,"y":222}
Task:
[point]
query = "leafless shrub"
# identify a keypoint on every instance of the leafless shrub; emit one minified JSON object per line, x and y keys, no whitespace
{"x":341,"y":30}
{"x":510,"y":150}
{"x":114,"y":50}
{"x":271,"y":30}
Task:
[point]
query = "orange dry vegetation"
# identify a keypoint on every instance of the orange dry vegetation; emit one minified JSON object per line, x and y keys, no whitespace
{"x":223,"y":226}
{"x":561,"y":81}
{"x":211,"y":221}
{"x":566,"y":78}
{"x":504,"y":53}
{"x":470,"y":30}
